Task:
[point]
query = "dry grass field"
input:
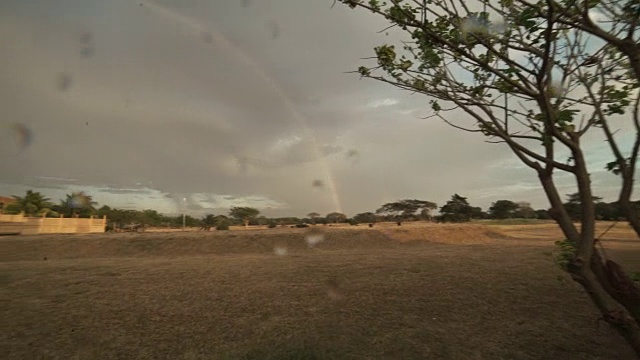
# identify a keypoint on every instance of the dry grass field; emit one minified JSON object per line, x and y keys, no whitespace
{"x":419,"y":291}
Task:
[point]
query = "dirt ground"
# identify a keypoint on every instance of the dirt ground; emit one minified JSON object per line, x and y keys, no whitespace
{"x":419,"y":291}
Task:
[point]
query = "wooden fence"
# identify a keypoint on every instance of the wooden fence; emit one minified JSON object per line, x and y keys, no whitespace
{"x":20,"y":224}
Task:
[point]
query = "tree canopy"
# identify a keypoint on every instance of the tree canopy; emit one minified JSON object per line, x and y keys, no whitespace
{"x":243,"y":214}
{"x":77,"y":204}
{"x":336,"y":217}
{"x":403,"y":209}
{"x":32,"y":204}
{"x":366,"y":217}
{"x":456,"y":210}
{"x":503,"y":209}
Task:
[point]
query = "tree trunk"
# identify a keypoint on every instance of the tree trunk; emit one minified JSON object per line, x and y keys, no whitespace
{"x":618,"y":317}
{"x":594,"y":276}
{"x":557,"y":211}
{"x":631,"y":215}
{"x":632,"y":50}
{"x":624,"y":201}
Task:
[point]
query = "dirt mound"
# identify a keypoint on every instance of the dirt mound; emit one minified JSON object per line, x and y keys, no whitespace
{"x":444,"y":233}
{"x":178,"y":244}
{"x":266,"y":241}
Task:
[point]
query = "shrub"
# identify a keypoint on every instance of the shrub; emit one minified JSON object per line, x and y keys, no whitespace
{"x":223,"y":225}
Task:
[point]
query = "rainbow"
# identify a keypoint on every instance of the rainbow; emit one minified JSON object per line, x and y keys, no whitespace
{"x":217,"y":39}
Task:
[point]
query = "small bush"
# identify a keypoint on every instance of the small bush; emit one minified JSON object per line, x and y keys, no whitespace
{"x":223,"y":225}
{"x":272,"y":225}
{"x":565,"y":254}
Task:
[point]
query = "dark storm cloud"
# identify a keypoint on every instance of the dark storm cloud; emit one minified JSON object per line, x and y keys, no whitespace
{"x":125,"y":191}
{"x":214,"y":102}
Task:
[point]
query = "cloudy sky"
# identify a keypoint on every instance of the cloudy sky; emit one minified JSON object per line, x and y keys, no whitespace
{"x":229,"y":103}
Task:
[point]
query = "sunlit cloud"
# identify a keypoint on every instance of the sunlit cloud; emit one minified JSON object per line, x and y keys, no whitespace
{"x":382,"y":103}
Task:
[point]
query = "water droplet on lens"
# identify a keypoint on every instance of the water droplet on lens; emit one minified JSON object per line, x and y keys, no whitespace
{"x":63,"y":81}
{"x":24,"y":135}
{"x":87,"y":51}
{"x":334,"y":292}
{"x":274,"y":29}
{"x":280,"y":251}
{"x":314,"y":237}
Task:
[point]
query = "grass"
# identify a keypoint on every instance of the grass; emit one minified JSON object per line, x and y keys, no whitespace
{"x":514,"y":221}
{"x":411,"y":292}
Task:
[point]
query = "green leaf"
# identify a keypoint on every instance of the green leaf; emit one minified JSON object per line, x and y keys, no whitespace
{"x":419,"y":84}
{"x":352,"y":3}
{"x":404,"y":65}
{"x":614,"y":167}
{"x":593,"y":3}
{"x":566,"y":116}
{"x":386,"y":56}
{"x":375,"y":4}
{"x":506,"y":3}
{"x":364,"y":71}
{"x":525,"y":18}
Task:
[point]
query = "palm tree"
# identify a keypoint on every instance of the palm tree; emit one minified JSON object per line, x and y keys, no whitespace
{"x":77,"y":204}
{"x":33,"y":203}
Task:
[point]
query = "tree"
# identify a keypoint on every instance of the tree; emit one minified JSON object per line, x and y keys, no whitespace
{"x":208,"y":221}
{"x":287,"y":221}
{"x":503,"y":209}
{"x":77,"y":204}
{"x":262,"y":220}
{"x":190,"y":221}
{"x":313,"y":216}
{"x":220,"y":219}
{"x":477,"y":213}
{"x":404,"y":209}
{"x":366,"y":217}
{"x":151,"y":217}
{"x":223,"y":223}
{"x":32,"y":204}
{"x":456,"y":210}
{"x":569,"y":76}
{"x":573,"y":206}
{"x":243,"y":214}
{"x":524,"y":211}
{"x":542,"y":214}
{"x":336,"y":217}
{"x":104,"y":210}
{"x":607,"y":211}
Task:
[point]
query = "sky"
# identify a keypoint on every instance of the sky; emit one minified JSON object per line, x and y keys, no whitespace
{"x":196,"y":106}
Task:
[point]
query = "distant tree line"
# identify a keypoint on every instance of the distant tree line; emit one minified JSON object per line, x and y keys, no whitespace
{"x":457,"y":209}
